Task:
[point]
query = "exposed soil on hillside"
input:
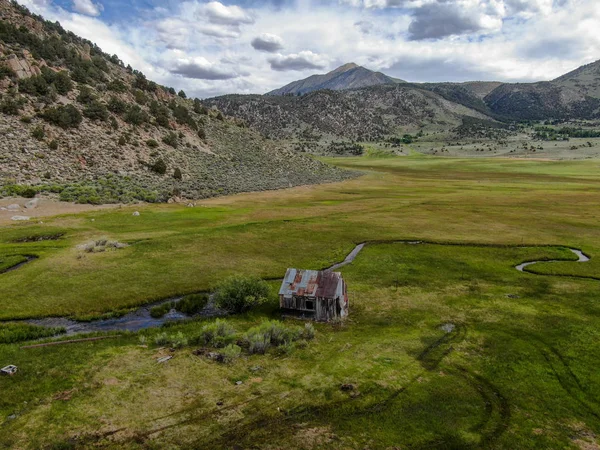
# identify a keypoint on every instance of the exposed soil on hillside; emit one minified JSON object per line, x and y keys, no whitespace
{"x":46,"y":208}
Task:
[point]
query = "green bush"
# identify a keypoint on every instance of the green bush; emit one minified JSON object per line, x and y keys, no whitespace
{"x":202,"y":134}
{"x":122,"y":140}
{"x":159,"y":167}
{"x":309,"y":331}
{"x":177,"y":340}
{"x":160,"y":310}
{"x":152,"y":143}
{"x":96,"y":111}
{"x":161,"y":339}
{"x":182,"y":94}
{"x":36,"y":85}
{"x":39,"y":133}
{"x":63,"y":83}
{"x":116,"y":86}
{"x":64,"y":116}
{"x":258,"y":343}
{"x":140,"y":97}
{"x":230,"y":353}
{"x":11,"y":333}
{"x":6,"y":72}
{"x":11,"y":106}
{"x":177,"y":174}
{"x":183,"y":117}
{"x":117,"y":105}
{"x":216,"y":334}
{"x":86,"y":96}
{"x":141,"y":82}
{"x":18,"y":190}
{"x":160,"y":113}
{"x":199,"y":108}
{"x":171,"y":139}
{"x":272,"y":334}
{"x":53,"y":145}
{"x":192,"y":304}
{"x":28,"y":192}
{"x":238,"y":294}
{"x":135,"y":115}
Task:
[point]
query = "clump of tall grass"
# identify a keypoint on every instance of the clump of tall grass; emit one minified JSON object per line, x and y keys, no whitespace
{"x":11,"y":333}
{"x":216,"y":334}
{"x":230,"y":353}
{"x":275,"y":334}
{"x":176,"y":340}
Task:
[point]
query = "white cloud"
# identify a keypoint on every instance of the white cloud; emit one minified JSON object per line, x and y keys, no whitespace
{"x":87,"y":7}
{"x":297,"y":61}
{"x":206,"y":48}
{"x":266,"y":42}
{"x":201,"y":69}
{"x":220,"y":14}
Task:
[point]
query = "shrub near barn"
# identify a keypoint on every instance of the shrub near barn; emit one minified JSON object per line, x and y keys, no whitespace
{"x":239,"y":294}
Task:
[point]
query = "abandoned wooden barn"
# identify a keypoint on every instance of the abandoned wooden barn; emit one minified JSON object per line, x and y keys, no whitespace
{"x":312,"y":294}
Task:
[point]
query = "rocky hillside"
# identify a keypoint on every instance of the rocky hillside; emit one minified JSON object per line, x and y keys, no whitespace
{"x":334,"y":111}
{"x":575,"y":95}
{"x":348,"y":76}
{"x":77,"y":122}
{"x":369,"y":114}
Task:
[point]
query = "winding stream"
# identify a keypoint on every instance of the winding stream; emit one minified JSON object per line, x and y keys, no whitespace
{"x":19,"y":265}
{"x":582,"y":258}
{"x":141,"y":319}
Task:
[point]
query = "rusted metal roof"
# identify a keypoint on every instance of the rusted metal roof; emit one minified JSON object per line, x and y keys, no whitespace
{"x":311,"y":283}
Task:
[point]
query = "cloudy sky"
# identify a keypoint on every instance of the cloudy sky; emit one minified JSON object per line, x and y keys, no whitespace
{"x":210,"y":48}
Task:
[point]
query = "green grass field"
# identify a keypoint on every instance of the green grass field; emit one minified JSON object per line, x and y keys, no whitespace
{"x":515,"y":366}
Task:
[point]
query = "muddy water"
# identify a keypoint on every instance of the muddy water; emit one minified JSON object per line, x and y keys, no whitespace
{"x":139,"y":319}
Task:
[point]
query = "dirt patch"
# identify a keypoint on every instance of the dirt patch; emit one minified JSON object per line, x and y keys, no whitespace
{"x":46,"y":208}
{"x":584,"y":438}
{"x":314,"y":437}
{"x":64,"y":396}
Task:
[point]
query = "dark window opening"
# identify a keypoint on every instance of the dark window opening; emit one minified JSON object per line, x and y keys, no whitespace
{"x":310,"y":305}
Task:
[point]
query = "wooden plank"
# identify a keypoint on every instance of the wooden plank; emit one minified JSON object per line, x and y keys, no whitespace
{"x":72,"y":341}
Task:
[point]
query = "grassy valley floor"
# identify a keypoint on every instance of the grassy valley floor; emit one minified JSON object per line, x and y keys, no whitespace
{"x":447,"y":346}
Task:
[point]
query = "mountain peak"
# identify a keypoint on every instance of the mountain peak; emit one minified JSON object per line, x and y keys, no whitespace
{"x":345,"y":68}
{"x":348,"y":76}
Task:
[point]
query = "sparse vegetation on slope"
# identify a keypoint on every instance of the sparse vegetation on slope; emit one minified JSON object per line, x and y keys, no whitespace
{"x":96,"y":114}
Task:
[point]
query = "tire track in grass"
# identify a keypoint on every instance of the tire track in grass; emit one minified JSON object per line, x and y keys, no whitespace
{"x":496,"y":419}
{"x":562,"y":371}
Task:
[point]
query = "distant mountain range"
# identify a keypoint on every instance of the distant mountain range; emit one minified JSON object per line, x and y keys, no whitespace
{"x":354,"y":103}
{"x":348,"y":76}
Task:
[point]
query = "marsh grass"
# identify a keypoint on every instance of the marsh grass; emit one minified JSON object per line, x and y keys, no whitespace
{"x":518,"y":370}
{"x":11,"y":333}
{"x":190,"y":305}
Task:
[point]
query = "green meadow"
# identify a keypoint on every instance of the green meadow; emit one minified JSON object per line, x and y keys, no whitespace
{"x":447,"y":344}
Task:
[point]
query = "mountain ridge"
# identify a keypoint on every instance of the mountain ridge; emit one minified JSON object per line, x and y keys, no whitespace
{"x":347,"y":76}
